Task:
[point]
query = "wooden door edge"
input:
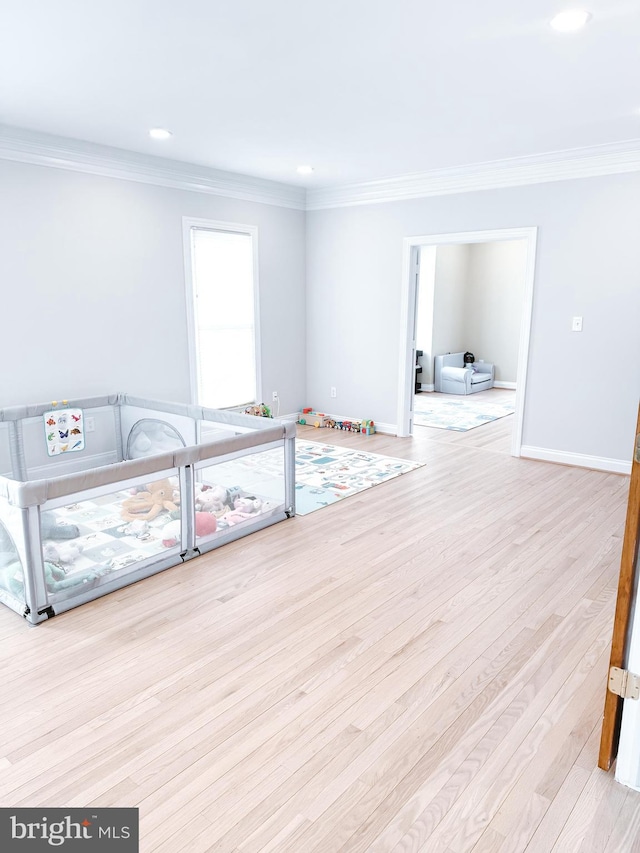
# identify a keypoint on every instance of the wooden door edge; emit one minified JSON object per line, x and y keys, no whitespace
{"x":612,"y":713}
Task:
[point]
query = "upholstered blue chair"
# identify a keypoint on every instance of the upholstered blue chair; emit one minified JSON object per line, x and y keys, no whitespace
{"x":451,"y":376}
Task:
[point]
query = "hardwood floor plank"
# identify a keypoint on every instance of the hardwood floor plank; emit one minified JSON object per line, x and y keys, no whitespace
{"x":626,"y":833}
{"x":418,"y":668}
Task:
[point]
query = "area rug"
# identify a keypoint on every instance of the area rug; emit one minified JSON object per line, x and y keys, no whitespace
{"x":459,"y":413}
{"x":325,"y":474}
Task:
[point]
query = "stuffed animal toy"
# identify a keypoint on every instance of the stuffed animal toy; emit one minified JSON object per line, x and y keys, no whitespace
{"x":171,"y":534}
{"x":56,"y":578}
{"x":175,"y":494}
{"x":261,"y":410}
{"x":12,"y":578}
{"x":212,"y":499}
{"x":206,"y":523}
{"x":149,"y":504}
{"x":249,"y":504}
{"x":138,"y":528}
{"x":235,"y":516}
{"x":61,"y":553}
{"x":52,"y":529}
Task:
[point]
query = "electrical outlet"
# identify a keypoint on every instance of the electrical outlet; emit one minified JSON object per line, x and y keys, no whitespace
{"x":274,"y":396}
{"x":89,"y":424}
{"x":576,"y":325}
{"x":333,"y":392}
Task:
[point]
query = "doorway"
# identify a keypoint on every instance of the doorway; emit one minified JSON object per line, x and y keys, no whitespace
{"x":414,"y":248}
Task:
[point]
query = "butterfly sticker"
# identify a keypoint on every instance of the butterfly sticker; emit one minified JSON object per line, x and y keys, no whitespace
{"x":77,"y":444}
{"x":76,"y":431}
{"x":51,"y":422}
{"x":64,"y":447}
{"x":51,"y":436}
{"x":64,"y":434}
{"x":76,"y":417}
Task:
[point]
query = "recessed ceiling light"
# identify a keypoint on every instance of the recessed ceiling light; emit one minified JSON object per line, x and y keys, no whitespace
{"x":305,"y":170}
{"x":160,"y":133}
{"x":571,"y":20}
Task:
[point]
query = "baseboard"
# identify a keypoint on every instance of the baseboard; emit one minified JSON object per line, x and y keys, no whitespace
{"x":510,"y":385}
{"x":387,"y":429}
{"x":579,"y":460}
{"x":425,"y":387}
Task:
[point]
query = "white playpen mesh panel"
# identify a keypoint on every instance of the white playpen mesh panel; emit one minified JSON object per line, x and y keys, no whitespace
{"x":150,"y":436}
{"x":11,"y":570}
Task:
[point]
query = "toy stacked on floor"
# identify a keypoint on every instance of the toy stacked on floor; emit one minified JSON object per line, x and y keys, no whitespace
{"x":319,"y":419}
{"x":311,"y":418}
{"x":260,"y":410}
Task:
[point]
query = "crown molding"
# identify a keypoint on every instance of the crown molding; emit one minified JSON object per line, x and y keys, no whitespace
{"x":42,"y":149}
{"x":609,"y":159}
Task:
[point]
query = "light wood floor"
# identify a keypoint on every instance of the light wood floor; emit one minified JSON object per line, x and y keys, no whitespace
{"x":421,"y":668}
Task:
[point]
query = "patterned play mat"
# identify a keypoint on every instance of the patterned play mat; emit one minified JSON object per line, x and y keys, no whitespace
{"x":459,"y":413}
{"x":325,"y":474}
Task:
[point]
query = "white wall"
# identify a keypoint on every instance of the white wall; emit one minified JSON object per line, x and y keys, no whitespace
{"x":92,"y":280}
{"x":450,"y":299}
{"x":494,"y":297}
{"x":588,"y":264}
{"x":441,"y":325}
{"x":93,"y":292}
{"x":477,"y":298}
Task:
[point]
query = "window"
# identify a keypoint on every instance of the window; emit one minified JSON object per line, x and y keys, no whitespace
{"x":221,"y":264}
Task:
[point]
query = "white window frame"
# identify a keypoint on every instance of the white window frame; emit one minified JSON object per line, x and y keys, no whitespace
{"x":192,"y":338}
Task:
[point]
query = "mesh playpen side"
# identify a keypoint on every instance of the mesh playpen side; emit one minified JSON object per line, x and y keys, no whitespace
{"x":68,"y":539}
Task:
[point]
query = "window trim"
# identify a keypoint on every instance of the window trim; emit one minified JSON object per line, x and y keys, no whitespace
{"x":188,"y":223}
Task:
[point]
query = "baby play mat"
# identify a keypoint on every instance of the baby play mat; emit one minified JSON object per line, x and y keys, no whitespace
{"x":459,"y":413}
{"x":325,"y":474}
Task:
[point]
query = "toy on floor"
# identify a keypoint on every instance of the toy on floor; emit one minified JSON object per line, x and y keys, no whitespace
{"x":52,"y":529}
{"x":56,"y":578}
{"x":318,"y":419}
{"x":61,"y":553}
{"x":248,"y":503}
{"x":311,"y":418}
{"x":149,"y":504}
{"x":171,"y":533}
{"x":213,"y":499}
{"x":206,"y":523}
{"x":138,"y":528}
{"x":244,"y":507}
{"x":261,"y":410}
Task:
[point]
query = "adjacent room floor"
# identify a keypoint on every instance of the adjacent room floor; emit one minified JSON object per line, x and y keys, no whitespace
{"x":451,"y":411}
{"x":420,"y":667}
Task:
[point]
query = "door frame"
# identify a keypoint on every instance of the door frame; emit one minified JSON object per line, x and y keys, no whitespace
{"x":409,"y":293}
{"x":625,"y":639}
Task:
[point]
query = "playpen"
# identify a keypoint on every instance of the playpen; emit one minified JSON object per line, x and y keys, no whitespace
{"x":102,"y":492}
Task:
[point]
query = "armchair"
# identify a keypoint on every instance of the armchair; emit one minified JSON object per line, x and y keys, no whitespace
{"x":452,"y":377}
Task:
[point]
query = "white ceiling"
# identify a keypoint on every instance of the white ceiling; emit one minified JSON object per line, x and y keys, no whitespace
{"x":360,"y":89}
